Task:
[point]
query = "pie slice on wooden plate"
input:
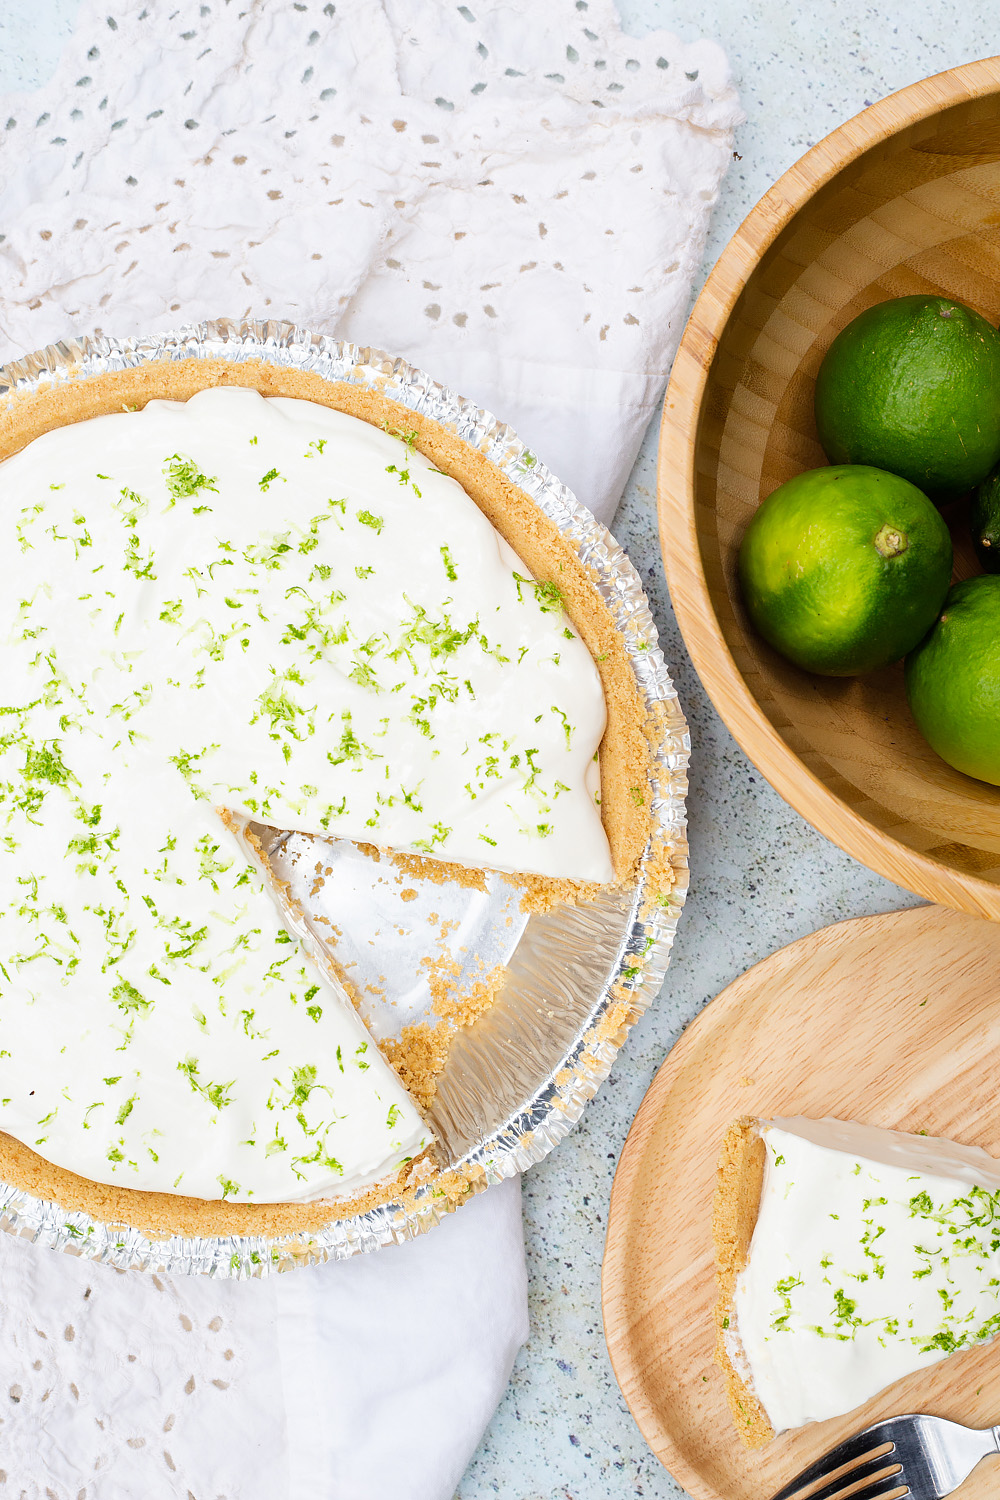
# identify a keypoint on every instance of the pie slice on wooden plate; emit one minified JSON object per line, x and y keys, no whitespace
{"x":847,"y":1257}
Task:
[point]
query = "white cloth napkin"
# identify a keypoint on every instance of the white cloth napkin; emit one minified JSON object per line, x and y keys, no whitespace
{"x":514,"y":196}
{"x":372,"y":1379}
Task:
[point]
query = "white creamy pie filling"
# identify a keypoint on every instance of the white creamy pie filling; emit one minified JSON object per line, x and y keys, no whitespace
{"x":274,"y":608}
{"x":874,"y":1254}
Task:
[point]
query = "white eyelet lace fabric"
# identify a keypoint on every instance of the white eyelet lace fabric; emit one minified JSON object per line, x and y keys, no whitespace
{"x":514,"y":196}
{"x":372,"y":1377}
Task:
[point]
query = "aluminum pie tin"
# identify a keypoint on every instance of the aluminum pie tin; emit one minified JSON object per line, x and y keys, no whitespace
{"x":518,"y":1079}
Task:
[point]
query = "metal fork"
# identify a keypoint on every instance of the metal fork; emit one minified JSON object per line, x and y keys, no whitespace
{"x":925,"y":1458}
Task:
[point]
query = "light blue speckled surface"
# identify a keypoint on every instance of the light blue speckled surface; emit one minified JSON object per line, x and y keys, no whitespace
{"x":760,"y":875}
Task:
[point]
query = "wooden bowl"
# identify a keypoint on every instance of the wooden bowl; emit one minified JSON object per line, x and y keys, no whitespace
{"x":904,"y":198}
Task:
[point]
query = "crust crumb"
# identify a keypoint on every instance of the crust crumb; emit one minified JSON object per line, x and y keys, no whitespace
{"x":462,"y":1010}
{"x":420,"y":1053}
{"x":661,"y":877}
{"x":543,"y":893}
{"x":438,"y":871}
{"x":418,"y":1056}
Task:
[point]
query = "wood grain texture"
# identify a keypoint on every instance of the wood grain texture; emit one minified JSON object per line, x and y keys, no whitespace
{"x":890,"y":1020}
{"x":905,"y":198}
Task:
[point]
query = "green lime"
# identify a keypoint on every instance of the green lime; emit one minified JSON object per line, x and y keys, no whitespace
{"x":984,"y":519}
{"x":913,"y":386}
{"x":953,"y":680}
{"x":844,"y":569}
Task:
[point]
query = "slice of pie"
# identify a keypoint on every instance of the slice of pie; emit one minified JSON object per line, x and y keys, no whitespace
{"x":230,"y":607}
{"x":847,"y":1257}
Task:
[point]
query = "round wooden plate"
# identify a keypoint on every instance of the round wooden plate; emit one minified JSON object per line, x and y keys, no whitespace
{"x":892,"y":1020}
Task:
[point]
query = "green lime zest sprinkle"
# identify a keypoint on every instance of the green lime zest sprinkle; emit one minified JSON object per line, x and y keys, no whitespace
{"x":185,"y":479}
{"x":439,"y":835}
{"x":364,"y":676}
{"x":129,"y":999}
{"x":567,"y":726}
{"x":125,"y":1110}
{"x":441,"y":637}
{"x":184,"y":761}
{"x":217,"y":1094}
{"x":409,"y":438}
{"x":548,"y":596}
{"x":46,"y":764}
{"x":140,"y":567}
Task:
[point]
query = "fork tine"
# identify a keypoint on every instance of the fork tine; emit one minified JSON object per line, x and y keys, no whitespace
{"x":856,"y":1447}
{"x":882,"y":1487}
{"x":867,"y":1470}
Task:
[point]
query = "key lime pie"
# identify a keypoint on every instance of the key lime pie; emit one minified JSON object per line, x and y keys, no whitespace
{"x":847,"y":1257}
{"x":230,"y":607}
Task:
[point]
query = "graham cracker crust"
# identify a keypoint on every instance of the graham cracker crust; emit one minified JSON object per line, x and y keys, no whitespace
{"x":734,"y":1215}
